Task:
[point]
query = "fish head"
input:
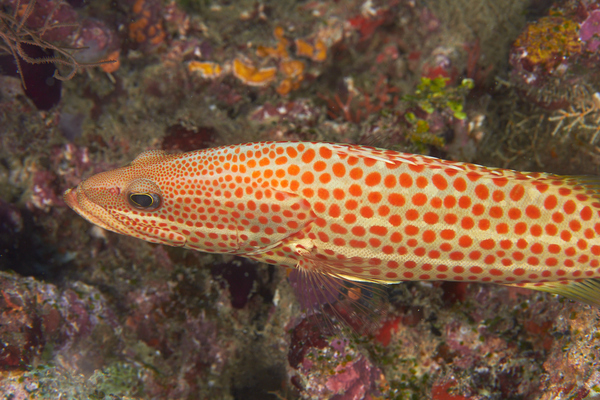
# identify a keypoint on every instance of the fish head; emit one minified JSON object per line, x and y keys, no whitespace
{"x":128,"y":200}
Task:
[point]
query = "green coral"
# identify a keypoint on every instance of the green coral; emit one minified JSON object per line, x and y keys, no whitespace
{"x":116,"y":381}
{"x":549,"y":40}
{"x":430,"y":96}
{"x":434,"y":95}
{"x":419,"y":133}
{"x":194,"y":5}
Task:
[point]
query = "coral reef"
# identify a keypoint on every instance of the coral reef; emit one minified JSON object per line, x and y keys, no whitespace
{"x":41,"y":36}
{"x":554,"y":64}
{"x":90,"y":314}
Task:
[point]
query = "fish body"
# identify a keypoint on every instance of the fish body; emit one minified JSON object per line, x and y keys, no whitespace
{"x":359,"y":213}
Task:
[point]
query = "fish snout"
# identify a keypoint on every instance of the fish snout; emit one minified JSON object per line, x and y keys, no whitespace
{"x":70,"y":197}
{"x":79,"y":201}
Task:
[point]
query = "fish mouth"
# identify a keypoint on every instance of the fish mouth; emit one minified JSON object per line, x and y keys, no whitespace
{"x":78,"y":200}
{"x":82,"y":205}
{"x":70,"y":197}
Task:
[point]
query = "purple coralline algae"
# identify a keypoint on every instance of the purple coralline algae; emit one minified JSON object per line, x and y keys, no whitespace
{"x":330,"y":368}
{"x":56,"y":36}
{"x":38,"y":315}
{"x":555,"y":58}
{"x":590,"y":31}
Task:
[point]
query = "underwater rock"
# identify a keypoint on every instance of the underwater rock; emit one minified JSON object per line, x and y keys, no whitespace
{"x":330,"y":368}
{"x":554,"y":60}
{"x":181,"y":138}
{"x":41,"y":86}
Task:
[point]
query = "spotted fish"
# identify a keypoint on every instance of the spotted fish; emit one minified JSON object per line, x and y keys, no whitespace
{"x":359,"y":213}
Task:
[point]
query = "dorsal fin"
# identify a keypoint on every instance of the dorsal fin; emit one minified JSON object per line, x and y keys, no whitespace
{"x":149,"y":156}
{"x":362,"y":152}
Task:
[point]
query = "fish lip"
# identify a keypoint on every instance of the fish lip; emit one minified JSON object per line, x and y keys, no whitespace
{"x":105,"y":219}
{"x":72,"y":197}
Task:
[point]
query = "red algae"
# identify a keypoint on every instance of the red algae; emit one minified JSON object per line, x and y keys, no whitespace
{"x":181,"y":138}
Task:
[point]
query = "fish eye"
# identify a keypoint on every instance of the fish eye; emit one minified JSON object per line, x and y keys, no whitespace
{"x":144,"y":201}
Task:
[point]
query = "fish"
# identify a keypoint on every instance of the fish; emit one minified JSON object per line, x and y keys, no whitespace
{"x":359,"y":214}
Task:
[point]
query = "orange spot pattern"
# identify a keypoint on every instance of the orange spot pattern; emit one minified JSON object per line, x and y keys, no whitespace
{"x":368,"y":213}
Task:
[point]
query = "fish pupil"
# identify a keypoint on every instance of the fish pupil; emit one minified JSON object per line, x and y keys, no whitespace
{"x":144,"y":200}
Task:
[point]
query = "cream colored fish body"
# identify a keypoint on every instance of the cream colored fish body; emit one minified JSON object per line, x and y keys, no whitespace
{"x":356,"y":212}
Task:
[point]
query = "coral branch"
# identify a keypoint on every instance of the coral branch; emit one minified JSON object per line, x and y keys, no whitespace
{"x":583,"y":115}
{"x":14,"y":34}
{"x":356,"y":108}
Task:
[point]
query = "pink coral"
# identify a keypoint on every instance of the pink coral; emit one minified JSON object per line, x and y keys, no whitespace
{"x":355,"y":380}
{"x":590,"y":31}
{"x":59,"y":12}
{"x":97,"y":41}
